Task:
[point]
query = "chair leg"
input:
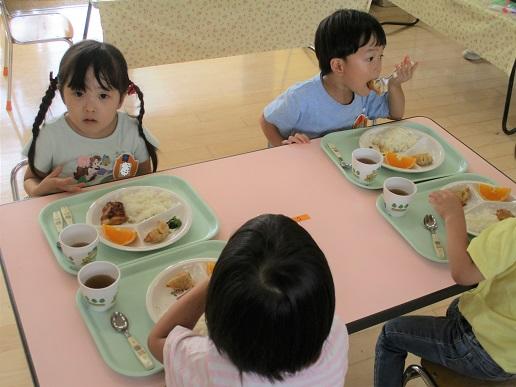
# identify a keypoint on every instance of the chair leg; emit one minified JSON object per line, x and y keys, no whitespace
{"x":6,"y":69}
{"x":8,"y":105}
{"x":87,"y":23}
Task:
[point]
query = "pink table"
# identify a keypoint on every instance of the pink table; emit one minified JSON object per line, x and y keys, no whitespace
{"x":377,"y":274}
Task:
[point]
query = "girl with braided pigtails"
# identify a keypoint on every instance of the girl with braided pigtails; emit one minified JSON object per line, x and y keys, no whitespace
{"x":92,"y":142}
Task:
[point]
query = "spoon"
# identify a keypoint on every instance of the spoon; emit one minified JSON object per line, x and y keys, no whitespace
{"x":336,"y":152}
{"x":431,"y":224}
{"x":121,"y":324}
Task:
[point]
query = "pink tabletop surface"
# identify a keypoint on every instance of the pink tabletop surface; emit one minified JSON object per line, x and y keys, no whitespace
{"x":373,"y":267}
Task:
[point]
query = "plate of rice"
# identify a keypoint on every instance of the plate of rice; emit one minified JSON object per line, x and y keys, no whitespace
{"x":404,"y":142}
{"x":486,"y":214}
{"x":480,"y":213}
{"x":173,"y":282}
{"x":140,"y":218}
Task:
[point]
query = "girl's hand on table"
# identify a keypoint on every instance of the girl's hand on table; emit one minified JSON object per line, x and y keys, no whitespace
{"x":53,"y":183}
{"x":446,"y":203}
{"x":298,"y":138}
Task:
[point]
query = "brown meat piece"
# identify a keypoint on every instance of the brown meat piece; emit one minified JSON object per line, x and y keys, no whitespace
{"x":502,"y":214}
{"x":113,"y":213}
{"x":376,"y":85}
{"x":463,"y":195}
{"x":180,"y":282}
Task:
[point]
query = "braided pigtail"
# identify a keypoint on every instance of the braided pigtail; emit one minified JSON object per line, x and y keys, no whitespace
{"x":151,"y":149}
{"x":40,"y":117}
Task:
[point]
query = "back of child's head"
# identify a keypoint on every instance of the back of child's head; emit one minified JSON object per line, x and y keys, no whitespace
{"x":271,"y":298}
{"x":343,"y":33}
{"x":111,"y":72}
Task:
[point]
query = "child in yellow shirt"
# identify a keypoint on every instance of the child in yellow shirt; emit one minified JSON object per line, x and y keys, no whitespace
{"x":477,"y":337}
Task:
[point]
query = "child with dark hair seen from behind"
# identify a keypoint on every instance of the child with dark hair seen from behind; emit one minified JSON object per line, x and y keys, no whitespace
{"x":349,"y":46}
{"x":92,"y":142}
{"x":477,"y":337}
{"x":269,"y":308}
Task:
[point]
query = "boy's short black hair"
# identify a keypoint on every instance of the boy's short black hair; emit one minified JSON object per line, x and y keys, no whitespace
{"x":271,"y":298}
{"x":343,"y":33}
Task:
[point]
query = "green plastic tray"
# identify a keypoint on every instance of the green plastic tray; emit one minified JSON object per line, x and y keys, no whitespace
{"x":204,"y":223}
{"x":347,"y":140}
{"x":411,"y":226}
{"x":134,"y":281}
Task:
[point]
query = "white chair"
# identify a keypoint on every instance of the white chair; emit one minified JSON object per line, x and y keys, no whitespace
{"x":20,"y":167}
{"x":30,"y":28}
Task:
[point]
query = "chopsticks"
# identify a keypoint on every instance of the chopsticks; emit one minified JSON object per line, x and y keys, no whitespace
{"x":62,"y":218}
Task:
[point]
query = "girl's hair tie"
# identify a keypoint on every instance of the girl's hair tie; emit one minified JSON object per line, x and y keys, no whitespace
{"x":131,"y":89}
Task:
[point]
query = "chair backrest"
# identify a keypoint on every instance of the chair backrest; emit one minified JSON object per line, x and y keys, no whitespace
{"x":20,"y":167}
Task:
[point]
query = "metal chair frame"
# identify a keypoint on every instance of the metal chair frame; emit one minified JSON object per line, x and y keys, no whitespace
{"x":14,"y":179}
{"x":10,"y":40}
{"x":414,"y":371}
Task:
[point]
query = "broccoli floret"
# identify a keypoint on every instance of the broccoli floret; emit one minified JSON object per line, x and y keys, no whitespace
{"x":174,"y":223}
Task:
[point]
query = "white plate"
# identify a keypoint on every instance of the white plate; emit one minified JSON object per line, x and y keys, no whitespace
{"x":159,"y":298}
{"x":424,"y":144}
{"x":180,"y":208}
{"x":477,"y":205}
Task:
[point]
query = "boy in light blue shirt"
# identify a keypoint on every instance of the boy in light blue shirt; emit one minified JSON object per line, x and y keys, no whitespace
{"x":349,"y":45}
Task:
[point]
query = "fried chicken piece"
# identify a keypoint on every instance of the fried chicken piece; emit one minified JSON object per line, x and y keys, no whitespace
{"x":423,"y":159}
{"x":113,"y":213}
{"x":464,"y":195}
{"x":158,"y":234}
{"x":180,"y":282}
{"x":502,"y":214}
{"x":376,"y":85}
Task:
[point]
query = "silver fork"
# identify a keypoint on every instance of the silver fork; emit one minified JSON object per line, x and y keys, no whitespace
{"x":336,"y":152}
{"x":430,"y":224}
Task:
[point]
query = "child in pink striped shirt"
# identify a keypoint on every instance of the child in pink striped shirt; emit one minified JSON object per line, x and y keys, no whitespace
{"x":269,"y":309}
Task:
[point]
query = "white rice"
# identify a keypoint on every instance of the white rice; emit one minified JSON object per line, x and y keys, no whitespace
{"x":143,"y":204}
{"x":481,"y":219}
{"x":397,"y":139}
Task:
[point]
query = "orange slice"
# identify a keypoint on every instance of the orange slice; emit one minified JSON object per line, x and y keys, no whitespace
{"x":491,"y":192}
{"x":399,"y":161}
{"x":209,"y":267}
{"x":119,"y":235}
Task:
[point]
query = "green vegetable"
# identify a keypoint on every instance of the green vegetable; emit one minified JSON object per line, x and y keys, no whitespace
{"x":174,"y":223}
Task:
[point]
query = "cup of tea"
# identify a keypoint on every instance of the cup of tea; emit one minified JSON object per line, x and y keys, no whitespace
{"x":365,"y":163}
{"x":397,"y":195}
{"x":98,"y":283}
{"x":79,"y":242}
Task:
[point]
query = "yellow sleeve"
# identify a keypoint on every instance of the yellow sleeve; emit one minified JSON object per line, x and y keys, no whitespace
{"x":494,"y":250}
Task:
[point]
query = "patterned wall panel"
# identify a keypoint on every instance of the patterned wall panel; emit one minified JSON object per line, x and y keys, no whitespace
{"x":153,"y":32}
{"x":491,"y":34}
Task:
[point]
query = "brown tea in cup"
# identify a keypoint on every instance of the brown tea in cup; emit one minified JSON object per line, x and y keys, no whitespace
{"x":99,"y":281}
{"x":366,"y":161}
{"x":398,"y":191}
{"x":79,"y":244}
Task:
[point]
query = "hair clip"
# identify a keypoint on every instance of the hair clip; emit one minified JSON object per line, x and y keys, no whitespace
{"x":131,"y":89}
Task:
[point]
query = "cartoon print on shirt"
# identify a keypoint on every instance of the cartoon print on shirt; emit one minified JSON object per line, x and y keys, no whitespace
{"x":360,"y":121}
{"x":93,"y":167}
{"x":90,"y":167}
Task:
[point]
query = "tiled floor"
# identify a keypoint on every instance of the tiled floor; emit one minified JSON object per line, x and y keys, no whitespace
{"x":212,"y":112}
